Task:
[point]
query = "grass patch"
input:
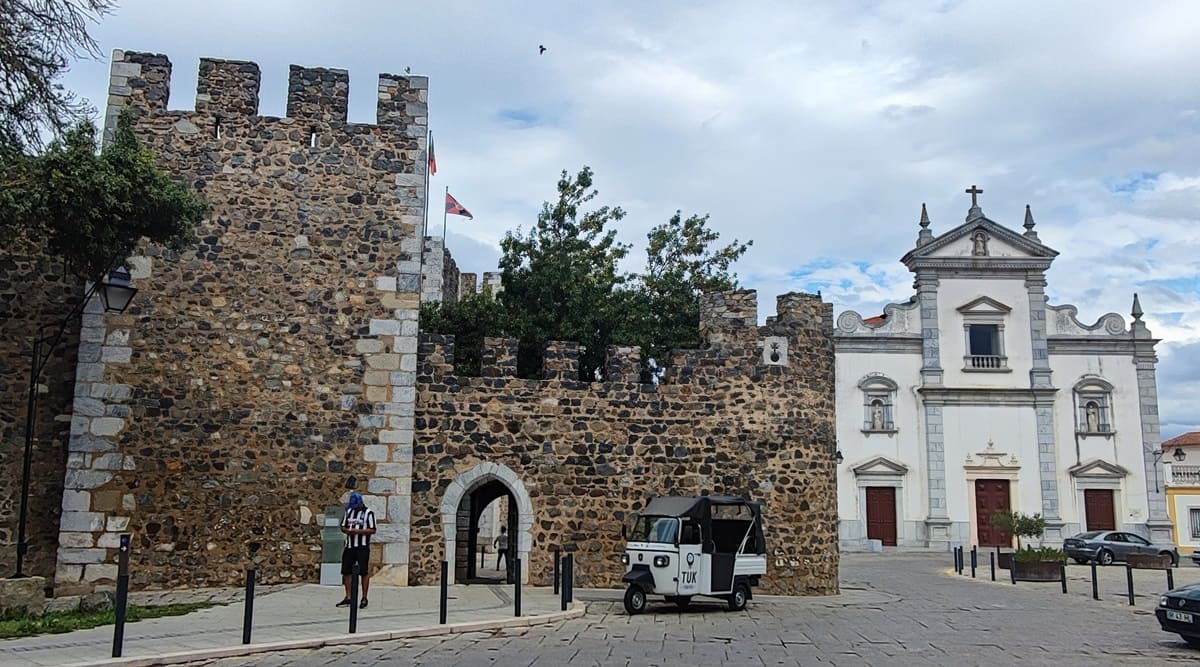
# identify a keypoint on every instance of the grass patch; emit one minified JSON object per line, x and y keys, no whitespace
{"x":19,"y":625}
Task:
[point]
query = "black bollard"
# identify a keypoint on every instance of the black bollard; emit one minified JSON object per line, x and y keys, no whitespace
{"x":1170,"y":579}
{"x":122,"y":597}
{"x":444,"y":595}
{"x":1129,"y":582}
{"x":1062,"y":572}
{"x":1095,"y":584}
{"x":556,"y":575}
{"x":354,"y":598}
{"x":1012,"y":572}
{"x":562,"y":590}
{"x":248,"y":614}
{"x":517,"y":588}
{"x":570,"y":578}
{"x":992,"y":562}
{"x":973,"y":563}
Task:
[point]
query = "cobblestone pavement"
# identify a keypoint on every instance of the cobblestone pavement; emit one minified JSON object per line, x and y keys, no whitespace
{"x":896,"y":609}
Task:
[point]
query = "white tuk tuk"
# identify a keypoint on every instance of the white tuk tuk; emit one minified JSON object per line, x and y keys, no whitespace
{"x":680,"y":547}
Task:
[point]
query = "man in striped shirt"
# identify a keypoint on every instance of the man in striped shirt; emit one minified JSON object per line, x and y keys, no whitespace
{"x":359,"y":526}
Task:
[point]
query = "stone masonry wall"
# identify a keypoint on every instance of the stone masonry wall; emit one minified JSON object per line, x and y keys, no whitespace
{"x":34,"y":293}
{"x":268,"y":369}
{"x":579,"y":456}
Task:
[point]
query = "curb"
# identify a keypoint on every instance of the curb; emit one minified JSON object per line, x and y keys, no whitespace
{"x":577,"y":610}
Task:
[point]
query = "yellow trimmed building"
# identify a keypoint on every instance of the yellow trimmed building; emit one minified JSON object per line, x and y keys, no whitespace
{"x":1182,"y":457}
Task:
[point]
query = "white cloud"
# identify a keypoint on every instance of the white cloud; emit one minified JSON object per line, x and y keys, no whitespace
{"x":816,"y":129}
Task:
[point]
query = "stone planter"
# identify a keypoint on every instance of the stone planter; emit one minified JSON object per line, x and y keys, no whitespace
{"x":1003,"y":560}
{"x":1037,"y":571}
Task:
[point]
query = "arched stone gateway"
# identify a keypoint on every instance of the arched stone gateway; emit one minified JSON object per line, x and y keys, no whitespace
{"x":466,"y":498}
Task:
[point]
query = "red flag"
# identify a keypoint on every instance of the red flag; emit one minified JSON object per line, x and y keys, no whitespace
{"x":432,"y":159}
{"x":455,"y":208}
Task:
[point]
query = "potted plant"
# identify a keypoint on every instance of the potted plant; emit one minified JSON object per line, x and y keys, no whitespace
{"x":1029,"y":563}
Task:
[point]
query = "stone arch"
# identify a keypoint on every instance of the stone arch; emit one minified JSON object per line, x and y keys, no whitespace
{"x":466,"y":483}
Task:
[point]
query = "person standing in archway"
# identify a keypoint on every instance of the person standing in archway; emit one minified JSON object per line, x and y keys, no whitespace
{"x":501,"y":545}
{"x":359,"y":526}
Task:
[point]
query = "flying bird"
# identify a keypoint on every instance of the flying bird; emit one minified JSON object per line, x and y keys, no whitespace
{"x":541,"y":49}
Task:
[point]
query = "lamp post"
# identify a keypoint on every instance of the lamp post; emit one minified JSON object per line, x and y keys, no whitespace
{"x":116,"y":293}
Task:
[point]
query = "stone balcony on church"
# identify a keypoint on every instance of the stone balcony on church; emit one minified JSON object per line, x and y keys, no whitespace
{"x":985,"y":362}
{"x":1181,"y":475}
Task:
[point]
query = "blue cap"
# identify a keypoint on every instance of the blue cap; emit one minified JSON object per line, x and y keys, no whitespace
{"x":355,"y":499}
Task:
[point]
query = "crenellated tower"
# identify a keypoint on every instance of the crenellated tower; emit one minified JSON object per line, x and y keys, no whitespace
{"x":269,"y":368}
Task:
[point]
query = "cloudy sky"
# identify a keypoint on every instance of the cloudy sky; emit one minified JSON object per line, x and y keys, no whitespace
{"x":814,"y":129}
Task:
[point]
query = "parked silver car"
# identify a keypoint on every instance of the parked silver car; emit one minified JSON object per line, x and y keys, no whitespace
{"x":1107,"y":546}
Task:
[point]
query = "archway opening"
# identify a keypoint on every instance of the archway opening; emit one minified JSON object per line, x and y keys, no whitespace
{"x":485,"y":555}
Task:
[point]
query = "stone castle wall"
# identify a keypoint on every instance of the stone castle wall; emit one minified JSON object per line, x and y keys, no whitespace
{"x":35,"y":298}
{"x":580,"y":456}
{"x":272,"y":366}
{"x":267,"y":369}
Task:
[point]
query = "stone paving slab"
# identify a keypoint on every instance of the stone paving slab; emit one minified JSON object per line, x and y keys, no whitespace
{"x":895,"y":609}
{"x":291,"y":617}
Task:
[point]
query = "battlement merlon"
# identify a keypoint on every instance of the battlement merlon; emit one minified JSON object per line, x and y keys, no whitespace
{"x":228,"y":88}
{"x":623,"y":364}
{"x":498,"y":358}
{"x":560,"y":360}
{"x":722,"y":314}
{"x":142,"y":82}
{"x":802,"y":308}
{"x":318,"y":93}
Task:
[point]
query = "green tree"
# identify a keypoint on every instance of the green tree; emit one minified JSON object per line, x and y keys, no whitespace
{"x":559,"y":278}
{"x":37,"y":40}
{"x":470,"y":319}
{"x":681,"y":264}
{"x":1020,"y":525}
{"x":92,"y":207}
{"x":561,"y":282}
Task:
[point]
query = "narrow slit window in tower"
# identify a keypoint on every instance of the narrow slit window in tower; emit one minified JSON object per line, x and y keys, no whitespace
{"x":312,"y":138}
{"x":217,"y":127}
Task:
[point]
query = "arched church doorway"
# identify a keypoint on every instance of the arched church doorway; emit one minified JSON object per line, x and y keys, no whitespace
{"x":474,"y":507}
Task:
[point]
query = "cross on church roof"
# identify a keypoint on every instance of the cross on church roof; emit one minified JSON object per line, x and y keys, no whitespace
{"x":974,"y":190}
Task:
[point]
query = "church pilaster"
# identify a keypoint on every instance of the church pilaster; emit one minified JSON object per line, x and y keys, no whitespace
{"x":1040,"y":378}
{"x":937,"y":522}
{"x":1145,"y":362}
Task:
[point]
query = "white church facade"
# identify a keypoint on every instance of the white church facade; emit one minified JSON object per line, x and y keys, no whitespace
{"x":977,"y":395}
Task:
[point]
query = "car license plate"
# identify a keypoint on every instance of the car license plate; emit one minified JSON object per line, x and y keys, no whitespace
{"x":1181,"y":616}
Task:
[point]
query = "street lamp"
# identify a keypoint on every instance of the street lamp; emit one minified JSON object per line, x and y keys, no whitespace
{"x":115,"y":294}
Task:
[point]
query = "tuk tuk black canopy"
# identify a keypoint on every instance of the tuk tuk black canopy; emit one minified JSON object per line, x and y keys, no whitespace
{"x":695,"y":507}
{"x":700,"y":509}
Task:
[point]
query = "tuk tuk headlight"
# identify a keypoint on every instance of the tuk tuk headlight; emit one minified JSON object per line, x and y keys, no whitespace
{"x":661,"y":561}
{"x":624,"y":559}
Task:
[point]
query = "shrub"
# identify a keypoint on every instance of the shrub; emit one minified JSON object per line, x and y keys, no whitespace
{"x":1020,"y":525}
{"x":1040,"y":555}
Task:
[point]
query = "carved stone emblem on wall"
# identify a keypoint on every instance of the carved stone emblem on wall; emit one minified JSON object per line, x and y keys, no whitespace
{"x":979,"y":241}
{"x":775,"y":351}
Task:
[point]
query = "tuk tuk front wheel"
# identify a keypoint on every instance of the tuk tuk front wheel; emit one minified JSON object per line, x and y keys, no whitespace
{"x":635,"y":600}
{"x":737,"y":599}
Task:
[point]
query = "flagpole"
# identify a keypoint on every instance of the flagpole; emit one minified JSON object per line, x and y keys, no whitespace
{"x":444,"y":216}
{"x":425,"y":221}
